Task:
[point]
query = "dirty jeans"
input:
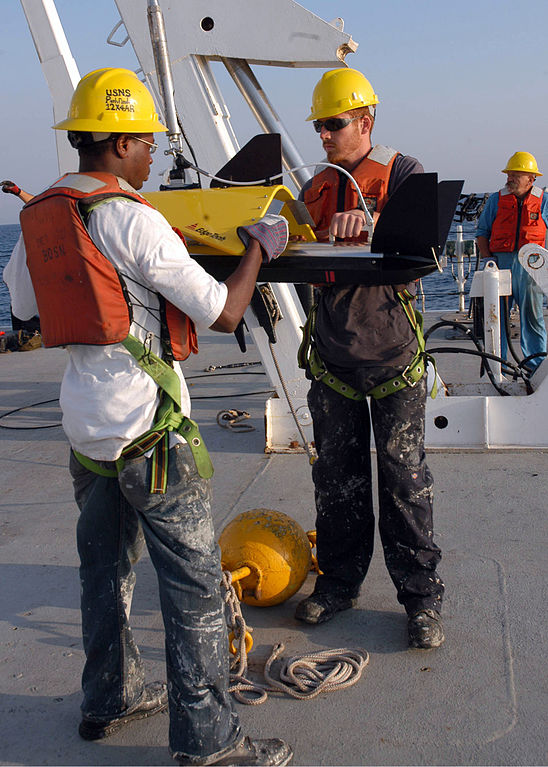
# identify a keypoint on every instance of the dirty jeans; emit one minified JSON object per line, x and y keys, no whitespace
{"x":117,"y":516}
{"x":345,"y":522}
{"x":529,"y":298}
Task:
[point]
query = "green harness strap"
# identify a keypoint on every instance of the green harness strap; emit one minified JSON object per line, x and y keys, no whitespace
{"x":168,"y":418}
{"x":164,"y":375}
{"x":308,"y":358}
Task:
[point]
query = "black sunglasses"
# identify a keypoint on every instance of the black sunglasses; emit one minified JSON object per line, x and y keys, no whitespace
{"x":333,"y":123}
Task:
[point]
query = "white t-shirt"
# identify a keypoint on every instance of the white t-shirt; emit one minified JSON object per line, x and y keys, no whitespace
{"x":106,"y":399}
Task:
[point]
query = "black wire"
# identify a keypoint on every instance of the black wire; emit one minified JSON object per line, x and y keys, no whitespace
{"x":218,"y":375}
{"x":189,"y":145}
{"x":531,"y":357}
{"x":156,"y":314}
{"x":26,"y":407}
{"x":508,"y":330}
{"x":241,"y":394}
{"x":478,"y":352}
{"x":454,"y":324}
{"x":209,"y":396}
{"x":485,"y":355}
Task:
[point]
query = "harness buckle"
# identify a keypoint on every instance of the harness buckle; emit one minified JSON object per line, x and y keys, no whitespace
{"x":319,"y":375}
{"x":315,"y":365}
{"x":408,"y":380}
{"x":321,"y":372}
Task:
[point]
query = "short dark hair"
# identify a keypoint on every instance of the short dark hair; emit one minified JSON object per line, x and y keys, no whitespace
{"x":86,"y":142}
{"x":368,"y":111}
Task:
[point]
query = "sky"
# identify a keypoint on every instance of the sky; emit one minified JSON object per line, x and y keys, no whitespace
{"x":462,"y":86}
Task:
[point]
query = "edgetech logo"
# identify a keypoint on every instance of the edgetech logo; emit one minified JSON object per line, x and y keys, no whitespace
{"x":206,"y":233}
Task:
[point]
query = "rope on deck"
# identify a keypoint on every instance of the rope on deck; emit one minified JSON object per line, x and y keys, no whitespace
{"x":302,"y":676}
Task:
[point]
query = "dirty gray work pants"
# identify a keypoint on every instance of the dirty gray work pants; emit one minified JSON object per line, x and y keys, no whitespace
{"x":117,"y":515}
{"x":344,"y":500}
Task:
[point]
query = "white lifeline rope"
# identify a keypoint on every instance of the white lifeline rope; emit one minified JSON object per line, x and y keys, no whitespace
{"x":302,"y":676}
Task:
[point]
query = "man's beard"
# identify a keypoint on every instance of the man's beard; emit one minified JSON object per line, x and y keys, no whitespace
{"x":334,"y":156}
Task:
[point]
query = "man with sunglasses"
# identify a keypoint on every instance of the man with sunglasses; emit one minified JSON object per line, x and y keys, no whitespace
{"x":365,"y":338}
{"x":115,"y":284}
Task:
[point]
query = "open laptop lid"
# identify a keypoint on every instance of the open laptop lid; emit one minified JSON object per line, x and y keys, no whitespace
{"x":417,"y":217}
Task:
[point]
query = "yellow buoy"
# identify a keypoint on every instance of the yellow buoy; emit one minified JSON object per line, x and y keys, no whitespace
{"x":268,"y":554}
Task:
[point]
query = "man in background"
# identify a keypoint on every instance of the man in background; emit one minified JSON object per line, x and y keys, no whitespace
{"x":514,"y":216}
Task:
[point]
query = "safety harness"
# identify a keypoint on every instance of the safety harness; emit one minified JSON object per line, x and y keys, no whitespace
{"x":168,"y":418}
{"x":309,"y":359}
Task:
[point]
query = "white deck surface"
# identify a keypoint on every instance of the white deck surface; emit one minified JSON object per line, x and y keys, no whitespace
{"x":481,"y":699}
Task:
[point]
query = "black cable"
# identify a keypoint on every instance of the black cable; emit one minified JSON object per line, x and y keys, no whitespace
{"x":49,"y":401}
{"x":507,"y":329}
{"x":241,"y":394}
{"x":232,"y":365}
{"x":476,"y":353}
{"x":155,"y":313}
{"x":479,"y":352}
{"x":218,"y":375}
{"x":189,"y":145}
{"x":455,"y":324}
{"x":515,"y":370}
{"x":531,"y":357}
{"x":26,"y":407}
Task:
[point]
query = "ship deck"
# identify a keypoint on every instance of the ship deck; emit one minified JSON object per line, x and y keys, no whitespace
{"x":480,"y":699}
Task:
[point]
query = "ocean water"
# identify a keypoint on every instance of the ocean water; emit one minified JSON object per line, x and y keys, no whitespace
{"x":440,"y":289}
{"x":9,"y":234}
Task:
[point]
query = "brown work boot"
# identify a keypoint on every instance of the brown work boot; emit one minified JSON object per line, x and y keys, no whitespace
{"x":253,"y":752}
{"x":425,"y":630}
{"x":321,"y":606}
{"x":153,"y":701}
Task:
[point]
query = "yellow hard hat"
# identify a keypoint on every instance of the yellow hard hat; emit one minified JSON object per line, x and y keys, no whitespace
{"x":340,"y":90}
{"x":524,"y":162}
{"x":111,"y":100}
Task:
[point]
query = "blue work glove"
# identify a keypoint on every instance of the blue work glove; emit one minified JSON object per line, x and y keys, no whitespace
{"x":271,"y":232}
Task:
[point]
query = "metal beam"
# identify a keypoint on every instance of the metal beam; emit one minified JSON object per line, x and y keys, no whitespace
{"x":59,"y":69}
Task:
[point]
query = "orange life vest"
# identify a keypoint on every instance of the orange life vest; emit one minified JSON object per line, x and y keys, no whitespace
{"x":81,"y":297}
{"x":372,"y":175}
{"x":511,"y":223}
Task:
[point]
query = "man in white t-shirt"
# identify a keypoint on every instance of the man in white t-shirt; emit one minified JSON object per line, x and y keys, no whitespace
{"x":110,"y":399}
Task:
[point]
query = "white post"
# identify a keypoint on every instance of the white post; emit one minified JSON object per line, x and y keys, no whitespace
{"x":443,"y":258}
{"x":459,"y":252}
{"x":491,"y":316}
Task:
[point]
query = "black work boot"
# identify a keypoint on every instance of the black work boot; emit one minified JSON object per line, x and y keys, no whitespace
{"x":249,"y":752}
{"x":153,"y":701}
{"x":425,"y":629}
{"x":321,"y":606}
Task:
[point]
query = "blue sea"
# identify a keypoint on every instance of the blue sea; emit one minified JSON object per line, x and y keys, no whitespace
{"x":440,"y":289}
{"x":9,"y":234}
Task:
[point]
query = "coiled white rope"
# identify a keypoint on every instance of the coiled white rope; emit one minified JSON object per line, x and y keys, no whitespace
{"x":301,"y":676}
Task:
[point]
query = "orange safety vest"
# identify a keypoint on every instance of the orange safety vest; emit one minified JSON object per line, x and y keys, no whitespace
{"x":372,"y":176}
{"x":512,"y":222}
{"x":81,"y":297}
